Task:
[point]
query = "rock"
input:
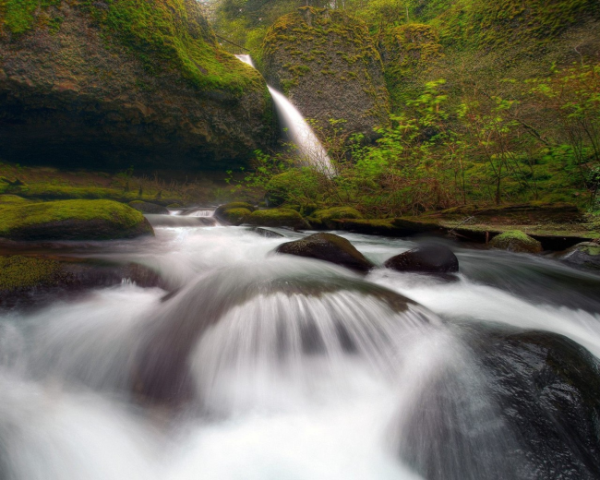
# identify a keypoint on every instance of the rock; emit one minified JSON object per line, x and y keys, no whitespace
{"x":516,"y":241}
{"x":175,"y":221}
{"x":326,"y":217}
{"x":134,"y":83}
{"x":72,"y":220}
{"x":233,"y":213}
{"x":525,"y":405}
{"x":267,"y":233}
{"x":277,"y":217}
{"x":585,"y":254}
{"x":32,"y":279}
{"x":428,"y":258}
{"x":325,"y":62}
{"x":147,"y":207}
{"x":329,"y":248}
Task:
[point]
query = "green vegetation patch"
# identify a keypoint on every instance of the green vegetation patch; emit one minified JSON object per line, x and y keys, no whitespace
{"x":277,"y":217}
{"x":19,"y":271}
{"x":70,"y":219}
{"x":12,"y":200}
{"x":516,"y":241}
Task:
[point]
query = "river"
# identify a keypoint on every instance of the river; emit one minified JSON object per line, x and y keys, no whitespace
{"x":271,"y":367}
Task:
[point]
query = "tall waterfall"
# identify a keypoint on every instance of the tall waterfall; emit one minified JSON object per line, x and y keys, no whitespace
{"x":297,"y":129}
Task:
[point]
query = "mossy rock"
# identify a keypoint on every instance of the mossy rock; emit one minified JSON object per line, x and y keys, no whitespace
{"x":516,"y":241}
{"x":326,"y":217}
{"x":33,"y":279}
{"x":72,"y":220}
{"x":183,"y":101}
{"x":233,"y":213}
{"x":329,"y":248}
{"x":147,"y":207}
{"x":277,"y":217}
{"x":585,"y":254}
{"x":12,"y":200}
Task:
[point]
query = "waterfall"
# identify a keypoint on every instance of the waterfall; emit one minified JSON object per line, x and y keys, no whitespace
{"x":297,"y":129}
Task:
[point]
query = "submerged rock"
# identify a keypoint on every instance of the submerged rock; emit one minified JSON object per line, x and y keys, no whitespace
{"x":585,"y":254}
{"x":516,"y":241}
{"x":523,"y":406}
{"x":116,"y":84}
{"x":428,"y":258}
{"x":72,"y":220}
{"x":326,"y":62}
{"x":147,"y":207}
{"x":329,"y":248}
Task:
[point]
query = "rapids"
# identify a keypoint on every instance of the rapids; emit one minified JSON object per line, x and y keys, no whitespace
{"x":267,"y":367}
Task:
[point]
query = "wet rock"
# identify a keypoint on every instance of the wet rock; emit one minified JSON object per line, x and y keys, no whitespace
{"x":233,"y":213}
{"x":178,"y":100}
{"x":33,"y":280}
{"x":329,"y":248}
{"x":277,"y":217}
{"x":516,"y":241}
{"x":267,"y":233}
{"x":429,"y":258}
{"x":585,"y":254}
{"x":325,"y":61}
{"x":147,"y":207}
{"x":72,"y":220}
{"x":327,"y":217}
{"x":175,"y":221}
{"x":524,"y":406}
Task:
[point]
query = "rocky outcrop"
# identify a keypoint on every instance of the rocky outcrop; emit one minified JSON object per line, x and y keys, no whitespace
{"x":329,"y":248}
{"x":585,"y":254}
{"x":116,"y":84}
{"x":72,"y":220}
{"x":326,"y":63}
{"x":429,"y":258}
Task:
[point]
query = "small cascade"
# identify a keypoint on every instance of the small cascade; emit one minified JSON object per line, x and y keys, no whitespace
{"x":297,"y":129}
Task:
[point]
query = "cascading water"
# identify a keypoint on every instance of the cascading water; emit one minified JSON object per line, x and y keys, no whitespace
{"x":265,"y":367}
{"x":297,"y":129}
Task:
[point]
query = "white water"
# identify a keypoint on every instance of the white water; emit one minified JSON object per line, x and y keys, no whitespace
{"x":262,"y":408}
{"x":298,"y":130}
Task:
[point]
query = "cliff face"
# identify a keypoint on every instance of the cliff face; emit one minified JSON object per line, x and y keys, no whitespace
{"x":325,"y":61}
{"x":118,"y":83}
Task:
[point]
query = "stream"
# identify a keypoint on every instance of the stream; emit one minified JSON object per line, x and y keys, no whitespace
{"x":271,"y":367}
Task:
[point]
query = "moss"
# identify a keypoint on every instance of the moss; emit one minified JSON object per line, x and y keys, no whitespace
{"x":277,"y":217}
{"x":237,"y":215}
{"x":71,"y":219}
{"x":516,"y":241}
{"x":335,"y":213}
{"x":20,"y":271}
{"x":12,"y":199}
{"x":163,"y":34}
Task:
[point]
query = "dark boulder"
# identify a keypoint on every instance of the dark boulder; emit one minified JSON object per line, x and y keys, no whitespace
{"x":430,"y":258}
{"x":519,"y":405}
{"x":329,"y":248}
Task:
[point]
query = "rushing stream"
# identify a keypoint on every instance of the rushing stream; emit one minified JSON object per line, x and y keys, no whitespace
{"x":271,"y":367}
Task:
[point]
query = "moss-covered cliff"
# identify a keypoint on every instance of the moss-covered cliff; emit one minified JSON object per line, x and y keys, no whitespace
{"x":326,"y":62}
{"x":124,"y":82}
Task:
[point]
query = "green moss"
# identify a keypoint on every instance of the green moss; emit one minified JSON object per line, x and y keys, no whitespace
{"x":336,"y":213}
{"x":20,"y":271}
{"x":164,"y":34}
{"x":17,"y":220}
{"x":12,"y":199}
{"x":277,"y":217}
{"x":516,"y":241}
{"x":237,"y":215}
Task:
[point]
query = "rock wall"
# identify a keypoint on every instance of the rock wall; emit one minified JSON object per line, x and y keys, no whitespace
{"x":120,"y":83}
{"x":326,"y":63}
